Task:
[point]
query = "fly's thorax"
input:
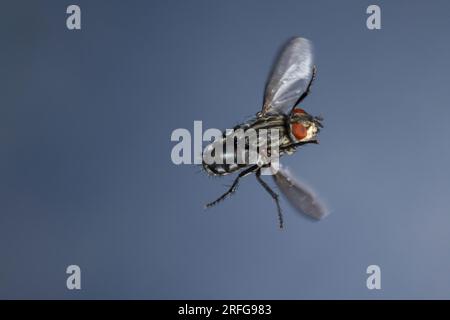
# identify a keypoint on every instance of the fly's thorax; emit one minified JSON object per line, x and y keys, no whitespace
{"x":254,"y":142}
{"x":303,"y":127}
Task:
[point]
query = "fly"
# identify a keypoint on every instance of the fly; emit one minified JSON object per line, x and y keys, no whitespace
{"x":288,"y":85}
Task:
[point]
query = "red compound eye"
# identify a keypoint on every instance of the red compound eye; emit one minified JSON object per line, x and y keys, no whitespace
{"x":298,"y":130}
{"x":298,"y":111}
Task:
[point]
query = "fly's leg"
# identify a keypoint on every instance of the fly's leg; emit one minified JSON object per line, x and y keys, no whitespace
{"x":302,"y":143}
{"x":293,"y":146}
{"x":308,"y":89}
{"x":233,"y":187}
{"x":273,"y":194}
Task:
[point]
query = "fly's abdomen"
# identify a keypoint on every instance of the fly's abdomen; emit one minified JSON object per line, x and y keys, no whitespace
{"x":220,"y":160}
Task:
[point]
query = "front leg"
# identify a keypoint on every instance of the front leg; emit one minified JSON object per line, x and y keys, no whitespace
{"x":299,"y":144}
{"x":233,"y":187}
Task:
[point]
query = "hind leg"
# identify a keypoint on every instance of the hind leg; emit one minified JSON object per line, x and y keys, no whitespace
{"x":273,"y":194}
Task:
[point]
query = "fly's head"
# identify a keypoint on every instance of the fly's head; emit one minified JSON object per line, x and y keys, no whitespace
{"x":304,"y":127}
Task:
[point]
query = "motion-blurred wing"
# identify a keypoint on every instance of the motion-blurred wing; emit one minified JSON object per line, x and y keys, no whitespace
{"x":299,"y":195}
{"x":290,"y":76}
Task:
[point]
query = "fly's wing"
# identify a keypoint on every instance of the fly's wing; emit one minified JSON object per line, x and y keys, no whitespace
{"x":299,"y":195}
{"x":290,"y":76}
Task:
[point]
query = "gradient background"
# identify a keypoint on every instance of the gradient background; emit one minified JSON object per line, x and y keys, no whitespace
{"x":86,"y":176}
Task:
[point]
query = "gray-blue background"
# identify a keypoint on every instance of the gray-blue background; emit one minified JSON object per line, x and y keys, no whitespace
{"x":86,"y":176}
